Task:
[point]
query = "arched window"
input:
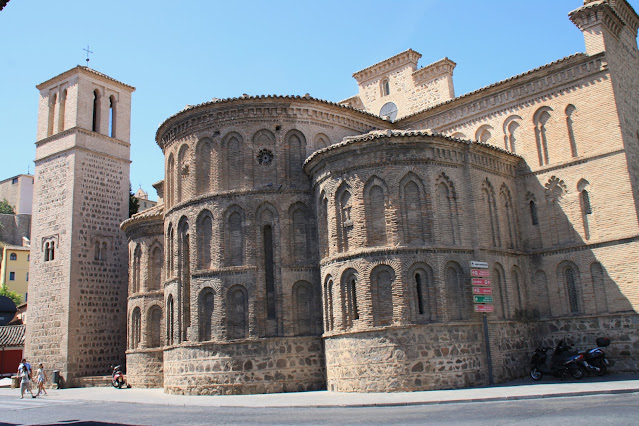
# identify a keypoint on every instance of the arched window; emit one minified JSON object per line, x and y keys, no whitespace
{"x":95,"y":126}
{"x":112,"y":116}
{"x":585,"y":200}
{"x":155,"y":273}
{"x":509,"y":214}
{"x":323,"y":221}
{"x":456,"y":296}
{"x":13,"y":256}
{"x":448,"y":215}
{"x":570,"y":112}
{"x":170,"y":181}
{"x":204,"y":236}
{"x":382,"y":279}
{"x":328,"y":304}
{"x":350,"y":311}
{"x":296,"y":155}
{"x":511,"y":124}
{"x":47,"y":252}
{"x":541,"y":118}
{"x":533,"y":213}
{"x":375,"y":204}
{"x":570,"y":283}
{"x":301,"y":234}
{"x":184,"y":256}
{"x":484,"y":133}
{"x":321,"y":141}
{"x":170,"y":321}
{"x":205,"y":314}
{"x":499,"y":278}
{"x":518,"y":290}
{"x":52,"y":101}
{"x":303,"y":308}
{"x":136,"y":328}
{"x":234,"y":162}
{"x":234,"y":239}
{"x":182,"y":173}
{"x":385,"y":87}
{"x":136,"y":280}
{"x":586,"y":207}
{"x":62,"y":108}
{"x":203,"y":166}
{"x":154,"y":326}
{"x":345,"y":221}
{"x":170,"y":252}
{"x":237,"y":317}
{"x":269,"y":271}
{"x":412,"y":210}
{"x":424,"y":294}
{"x":491,"y":211}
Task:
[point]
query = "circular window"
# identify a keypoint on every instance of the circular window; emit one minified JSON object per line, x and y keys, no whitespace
{"x":265,"y":157}
{"x":389,"y":109}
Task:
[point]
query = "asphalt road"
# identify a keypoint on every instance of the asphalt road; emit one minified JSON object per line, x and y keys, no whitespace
{"x":620,"y":409}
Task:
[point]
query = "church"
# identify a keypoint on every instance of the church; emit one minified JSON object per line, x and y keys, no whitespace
{"x":403,"y":239}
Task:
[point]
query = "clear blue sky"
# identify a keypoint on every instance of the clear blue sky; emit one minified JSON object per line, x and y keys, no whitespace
{"x":186,"y":52}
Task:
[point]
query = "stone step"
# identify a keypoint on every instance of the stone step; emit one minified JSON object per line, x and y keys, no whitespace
{"x":92,"y":381}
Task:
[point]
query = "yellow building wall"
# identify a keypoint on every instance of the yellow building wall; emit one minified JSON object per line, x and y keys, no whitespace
{"x":20,"y":268}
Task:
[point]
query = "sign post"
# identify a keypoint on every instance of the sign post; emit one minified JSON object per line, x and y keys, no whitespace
{"x":483,"y":302}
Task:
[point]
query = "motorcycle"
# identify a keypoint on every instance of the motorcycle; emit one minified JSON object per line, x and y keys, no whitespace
{"x":117,"y":377}
{"x":594,"y":360}
{"x":563,"y":362}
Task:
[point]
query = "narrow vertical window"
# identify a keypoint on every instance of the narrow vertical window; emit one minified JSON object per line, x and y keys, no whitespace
{"x":541,"y":120}
{"x":385,"y":87}
{"x":585,"y":199}
{"x":62,"y":110}
{"x":96,"y":111}
{"x":570,"y":110}
{"x":136,"y":328}
{"x":571,"y":289}
{"x":154,"y":327}
{"x":52,"y":101}
{"x":170,"y":320}
{"x":533,"y":213}
{"x":206,"y":314}
{"x":420,"y":293}
{"x":269,"y":271}
{"x":353,"y":289}
{"x":112,"y":116}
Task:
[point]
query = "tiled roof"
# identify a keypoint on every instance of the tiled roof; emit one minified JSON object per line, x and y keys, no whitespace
{"x":152,"y":213}
{"x":273,"y":97}
{"x":12,"y":335}
{"x":499,"y":83}
{"x":85,"y":69}
{"x":379,"y":134}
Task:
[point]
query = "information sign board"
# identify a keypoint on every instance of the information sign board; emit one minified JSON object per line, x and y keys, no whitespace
{"x":484,"y":308}
{"x":481,"y":281}
{"x":482,"y":290}
{"x":483,"y":299}
{"x":482,"y":273}
{"x":478,"y":265}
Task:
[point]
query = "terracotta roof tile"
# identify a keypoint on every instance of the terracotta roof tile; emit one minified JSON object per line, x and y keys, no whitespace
{"x":12,"y":335}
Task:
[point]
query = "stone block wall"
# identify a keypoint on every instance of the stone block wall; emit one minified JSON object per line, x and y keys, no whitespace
{"x":145,"y":368}
{"x":245,"y":367}
{"x":421,"y":357}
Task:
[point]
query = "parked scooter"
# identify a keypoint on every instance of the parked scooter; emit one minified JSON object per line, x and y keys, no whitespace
{"x":117,"y":377}
{"x":563,"y":362}
{"x":594,"y":360}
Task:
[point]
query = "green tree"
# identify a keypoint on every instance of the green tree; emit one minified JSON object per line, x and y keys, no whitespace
{"x":6,"y":208}
{"x":134,"y":203}
{"x":17,"y":299}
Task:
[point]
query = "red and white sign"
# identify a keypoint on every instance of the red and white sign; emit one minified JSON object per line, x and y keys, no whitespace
{"x":480,"y":273}
{"x":484,"y":308}
{"x":482,"y":290}
{"x":481,"y":281}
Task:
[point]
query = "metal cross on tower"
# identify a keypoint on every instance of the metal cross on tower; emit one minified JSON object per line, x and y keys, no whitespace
{"x":88,"y":51}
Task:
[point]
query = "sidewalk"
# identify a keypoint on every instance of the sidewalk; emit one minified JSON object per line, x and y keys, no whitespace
{"x":521,"y":389}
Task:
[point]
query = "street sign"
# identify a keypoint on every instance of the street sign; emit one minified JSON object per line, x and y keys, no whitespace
{"x":482,"y":290}
{"x":483,"y":299}
{"x":479,"y":273}
{"x":479,"y":265}
{"x":484,"y":308}
{"x":481,"y":281}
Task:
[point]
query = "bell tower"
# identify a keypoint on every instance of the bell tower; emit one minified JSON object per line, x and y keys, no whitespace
{"x":78,"y":288}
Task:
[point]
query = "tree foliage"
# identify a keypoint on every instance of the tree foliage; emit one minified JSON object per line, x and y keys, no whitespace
{"x":134,"y":203}
{"x":6,"y":208}
{"x":17,"y":299}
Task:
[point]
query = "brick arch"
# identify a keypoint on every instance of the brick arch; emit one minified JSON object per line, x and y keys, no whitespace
{"x":423,"y":294}
{"x":237,"y":312}
{"x":234,"y":235}
{"x":206,"y":307}
{"x":382,"y":280}
{"x":414,"y":212}
{"x":154,"y":326}
{"x":204,"y":164}
{"x":376,"y":203}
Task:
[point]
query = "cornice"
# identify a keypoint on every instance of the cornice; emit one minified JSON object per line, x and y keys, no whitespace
{"x":86,"y":71}
{"x":217,"y":113}
{"x":436,"y":69}
{"x":73,"y":130}
{"x":533,"y":83}
{"x":408,"y":57}
{"x":597,"y":13}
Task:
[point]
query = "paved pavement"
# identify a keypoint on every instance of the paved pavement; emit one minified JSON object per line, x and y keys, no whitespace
{"x":517,"y":390}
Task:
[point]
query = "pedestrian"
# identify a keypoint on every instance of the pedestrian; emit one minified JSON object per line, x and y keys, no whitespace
{"x":23,"y":373}
{"x":42,"y":378}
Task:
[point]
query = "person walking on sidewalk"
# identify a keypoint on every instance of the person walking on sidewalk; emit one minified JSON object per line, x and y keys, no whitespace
{"x":42,"y":378}
{"x":25,"y":382}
